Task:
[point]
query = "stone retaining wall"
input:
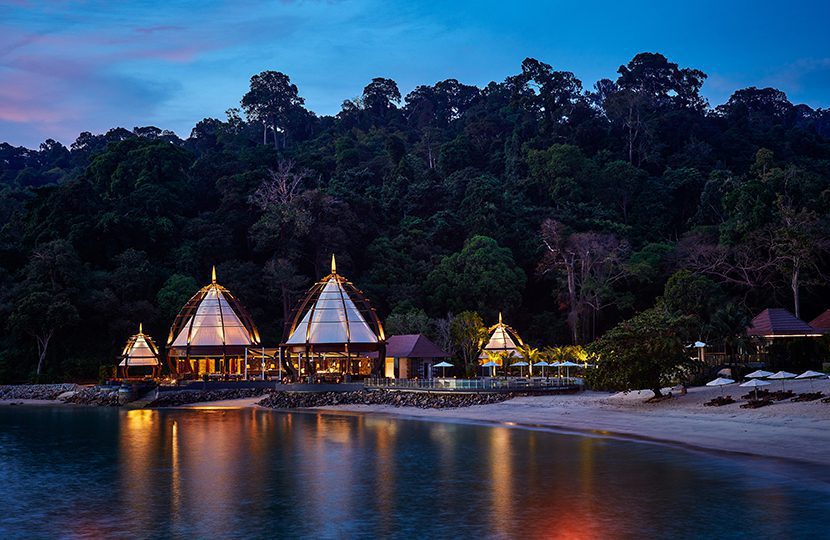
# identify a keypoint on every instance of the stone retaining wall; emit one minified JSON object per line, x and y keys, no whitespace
{"x":423,"y":400}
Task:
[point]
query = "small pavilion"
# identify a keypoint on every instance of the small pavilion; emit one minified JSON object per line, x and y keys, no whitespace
{"x":212,"y":334}
{"x":140,"y":352}
{"x":774,"y":323}
{"x":503,"y":343}
{"x":412,"y":356}
{"x":334,"y":329}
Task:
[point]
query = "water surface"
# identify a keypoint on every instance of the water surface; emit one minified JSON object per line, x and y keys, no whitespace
{"x":101,"y":473}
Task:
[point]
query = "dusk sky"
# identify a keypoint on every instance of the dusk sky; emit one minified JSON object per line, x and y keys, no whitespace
{"x":72,"y":66}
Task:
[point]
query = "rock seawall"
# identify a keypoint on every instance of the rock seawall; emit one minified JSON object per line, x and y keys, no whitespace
{"x":183,"y":397}
{"x":99,"y":396}
{"x":35,"y":391}
{"x":423,"y":400}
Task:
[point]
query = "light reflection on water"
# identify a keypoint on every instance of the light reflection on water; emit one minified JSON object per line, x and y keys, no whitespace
{"x":97,"y":473}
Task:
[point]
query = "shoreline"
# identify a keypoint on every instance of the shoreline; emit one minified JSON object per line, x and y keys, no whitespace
{"x":785,"y":431}
{"x":792,"y":432}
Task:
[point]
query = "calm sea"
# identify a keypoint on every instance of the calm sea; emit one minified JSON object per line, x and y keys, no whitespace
{"x":102,"y":473}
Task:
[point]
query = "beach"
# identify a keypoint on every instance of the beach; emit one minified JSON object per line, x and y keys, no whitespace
{"x":784,"y":430}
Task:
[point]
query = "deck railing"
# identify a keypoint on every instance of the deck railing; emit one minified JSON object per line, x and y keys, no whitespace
{"x":482,"y":384}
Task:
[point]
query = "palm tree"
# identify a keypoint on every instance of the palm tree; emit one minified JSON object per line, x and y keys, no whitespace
{"x":529,"y":354}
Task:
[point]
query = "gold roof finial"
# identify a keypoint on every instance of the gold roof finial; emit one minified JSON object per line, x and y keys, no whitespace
{"x":213,"y":275}
{"x":140,"y":328}
{"x":500,"y":317}
{"x":333,"y":265}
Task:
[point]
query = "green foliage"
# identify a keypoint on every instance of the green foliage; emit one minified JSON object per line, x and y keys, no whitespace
{"x":644,"y":352}
{"x":434,"y":202}
{"x":467,"y":332}
{"x":482,"y":276}
{"x":176,"y":291}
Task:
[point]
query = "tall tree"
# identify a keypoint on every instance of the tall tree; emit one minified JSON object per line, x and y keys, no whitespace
{"x":271,"y":101}
{"x":591,"y":264}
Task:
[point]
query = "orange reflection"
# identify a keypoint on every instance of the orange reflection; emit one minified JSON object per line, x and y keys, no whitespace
{"x":501,"y":473}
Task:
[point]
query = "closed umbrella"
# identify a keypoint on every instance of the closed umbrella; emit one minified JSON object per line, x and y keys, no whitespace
{"x":782,"y":375}
{"x":754,"y":383}
{"x":759,"y":374}
{"x":443,"y":366}
{"x":810,"y":375}
{"x":720,"y":381}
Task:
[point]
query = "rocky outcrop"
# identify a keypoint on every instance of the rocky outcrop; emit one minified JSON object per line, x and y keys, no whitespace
{"x":35,"y":391}
{"x":101,"y":396}
{"x":423,"y":400}
{"x":183,"y":397}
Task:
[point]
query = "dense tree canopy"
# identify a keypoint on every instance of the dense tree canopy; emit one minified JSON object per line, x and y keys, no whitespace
{"x":567,"y":206}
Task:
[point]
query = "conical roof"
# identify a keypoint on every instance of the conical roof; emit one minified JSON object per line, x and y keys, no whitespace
{"x":335,"y":313}
{"x":140,"y":350}
{"x":212,"y":318}
{"x":503,"y":339}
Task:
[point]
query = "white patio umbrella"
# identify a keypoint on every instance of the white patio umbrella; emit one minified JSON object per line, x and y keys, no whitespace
{"x":810,"y":375}
{"x":720,"y":381}
{"x":443,"y":366}
{"x":491,"y":364}
{"x":782,"y":375}
{"x":759,"y":374}
{"x":567,"y":364}
{"x":542,"y":364}
{"x":519,"y":365}
{"x":754,"y":383}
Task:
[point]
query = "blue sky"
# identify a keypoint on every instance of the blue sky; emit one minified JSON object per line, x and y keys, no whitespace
{"x":70,"y":66}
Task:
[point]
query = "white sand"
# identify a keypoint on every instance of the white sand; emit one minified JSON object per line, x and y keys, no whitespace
{"x":241,"y":403}
{"x":38,"y":402}
{"x":792,"y":431}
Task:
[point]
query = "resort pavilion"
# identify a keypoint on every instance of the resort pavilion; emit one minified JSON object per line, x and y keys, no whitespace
{"x":502,"y":344}
{"x":774,"y":325}
{"x":211,"y":335}
{"x":411,"y":356}
{"x":333,"y":330}
{"x":141,"y":352}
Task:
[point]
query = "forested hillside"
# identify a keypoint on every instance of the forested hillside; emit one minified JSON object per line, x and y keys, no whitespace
{"x":567,"y":206}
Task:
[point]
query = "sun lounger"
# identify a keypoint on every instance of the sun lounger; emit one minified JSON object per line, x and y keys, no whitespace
{"x":756,"y":403}
{"x":808,"y":396}
{"x":762,"y":394}
{"x":719,"y":401}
